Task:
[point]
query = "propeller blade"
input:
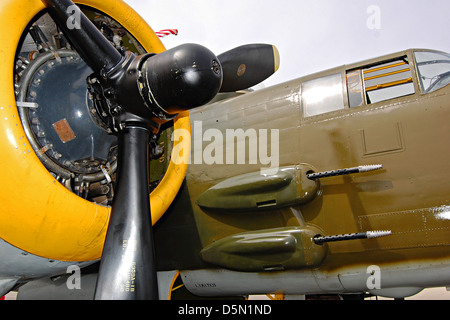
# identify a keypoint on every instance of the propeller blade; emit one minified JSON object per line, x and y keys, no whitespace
{"x":128,"y":265}
{"x":90,"y":43}
{"x":248,"y":65}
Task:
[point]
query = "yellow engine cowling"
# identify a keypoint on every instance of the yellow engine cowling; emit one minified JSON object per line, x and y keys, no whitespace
{"x":39,"y":215}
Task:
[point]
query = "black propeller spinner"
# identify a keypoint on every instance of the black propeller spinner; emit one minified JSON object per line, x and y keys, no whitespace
{"x":135,"y":95}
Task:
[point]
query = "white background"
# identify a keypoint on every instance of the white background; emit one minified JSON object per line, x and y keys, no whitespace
{"x":311,"y":35}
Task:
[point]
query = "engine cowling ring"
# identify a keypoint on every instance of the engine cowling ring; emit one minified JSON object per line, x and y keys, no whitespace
{"x":39,"y":215}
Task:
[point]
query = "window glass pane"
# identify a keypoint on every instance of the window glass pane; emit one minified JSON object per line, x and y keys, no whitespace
{"x":391,"y":92}
{"x":388,"y":81}
{"x":355,"y":89}
{"x":322,"y":95}
{"x":434,"y":70}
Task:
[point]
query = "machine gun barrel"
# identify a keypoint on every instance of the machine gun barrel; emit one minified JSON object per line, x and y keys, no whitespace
{"x":352,"y":236}
{"x":341,"y":172}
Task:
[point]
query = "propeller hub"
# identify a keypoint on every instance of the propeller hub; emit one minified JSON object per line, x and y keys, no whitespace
{"x":182,"y":78}
{"x":152,"y":89}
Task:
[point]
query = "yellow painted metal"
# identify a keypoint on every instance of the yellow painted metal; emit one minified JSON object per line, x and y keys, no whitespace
{"x":276,"y":296}
{"x":276,"y":55}
{"x":387,"y":74}
{"x":171,"y":289}
{"x":385,"y":67}
{"x":38,"y":214}
{"x":389,"y":84}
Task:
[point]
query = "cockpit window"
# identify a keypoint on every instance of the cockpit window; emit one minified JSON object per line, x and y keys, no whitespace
{"x":433,"y":69}
{"x":322,"y":95}
{"x":388,"y":80}
{"x":355,"y":88}
{"x":380,"y":82}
